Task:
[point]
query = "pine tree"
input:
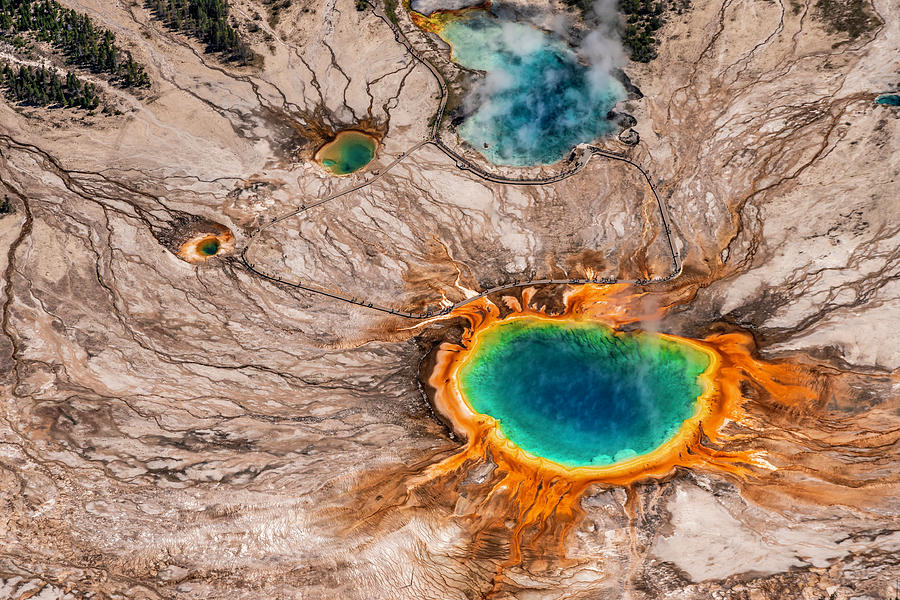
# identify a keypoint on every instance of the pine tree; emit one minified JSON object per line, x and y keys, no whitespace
{"x":75,"y":35}
{"x":207,"y":20}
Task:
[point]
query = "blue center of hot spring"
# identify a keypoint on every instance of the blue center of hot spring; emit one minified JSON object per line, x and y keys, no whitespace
{"x":537,"y":100}
{"x":579,"y":393}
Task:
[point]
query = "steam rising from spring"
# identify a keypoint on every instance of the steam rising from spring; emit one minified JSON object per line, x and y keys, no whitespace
{"x":539,"y":97}
{"x":426,"y":7}
{"x":602,"y":47}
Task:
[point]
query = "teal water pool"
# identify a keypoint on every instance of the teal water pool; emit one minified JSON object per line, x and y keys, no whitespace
{"x":537,"y":101}
{"x":350,"y":151}
{"x":580,"y":394}
{"x":208,"y":247}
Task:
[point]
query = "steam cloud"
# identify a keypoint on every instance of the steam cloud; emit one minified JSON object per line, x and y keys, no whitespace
{"x":539,"y":98}
{"x":426,"y":7}
{"x":602,"y":47}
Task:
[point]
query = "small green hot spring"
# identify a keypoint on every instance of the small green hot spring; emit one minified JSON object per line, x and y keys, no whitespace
{"x":208,"y":247}
{"x":349,"y":151}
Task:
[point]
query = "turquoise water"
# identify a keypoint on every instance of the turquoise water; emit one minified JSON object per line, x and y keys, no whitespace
{"x":537,"y":101}
{"x":888,"y":99}
{"x":348,"y":152}
{"x":577,"y":393}
{"x":209,"y":247}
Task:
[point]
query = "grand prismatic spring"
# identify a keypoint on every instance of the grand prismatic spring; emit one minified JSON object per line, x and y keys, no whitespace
{"x":564,"y":401}
{"x":538,"y":99}
{"x":572,"y":395}
{"x":578,"y":393}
